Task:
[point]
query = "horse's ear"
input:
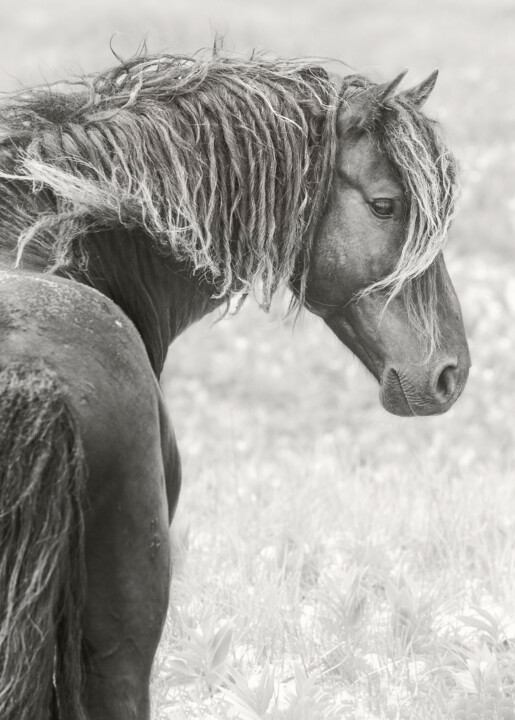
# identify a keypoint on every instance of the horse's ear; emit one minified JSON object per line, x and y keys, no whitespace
{"x":419,"y":94}
{"x":386,"y":90}
{"x":363,"y":109}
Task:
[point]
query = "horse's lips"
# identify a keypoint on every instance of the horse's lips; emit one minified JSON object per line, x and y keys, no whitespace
{"x":403,"y":391}
{"x":392,"y":396}
{"x":400,"y":395}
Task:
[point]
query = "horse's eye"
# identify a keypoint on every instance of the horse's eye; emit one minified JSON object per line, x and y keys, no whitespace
{"x":383,"y":208}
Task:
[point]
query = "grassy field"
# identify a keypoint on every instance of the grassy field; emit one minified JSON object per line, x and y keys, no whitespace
{"x":332,"y":561}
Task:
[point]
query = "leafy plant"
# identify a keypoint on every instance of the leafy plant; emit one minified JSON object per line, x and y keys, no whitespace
{"x":480,"y":692}
{"x":203,"y":654}
{"x":308,"y":702}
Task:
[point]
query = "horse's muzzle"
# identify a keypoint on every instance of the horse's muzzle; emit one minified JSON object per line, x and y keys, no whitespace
{"x":422,"y":391}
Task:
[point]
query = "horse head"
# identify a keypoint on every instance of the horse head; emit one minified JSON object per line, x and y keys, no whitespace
{"x":377,"y":275}
{"x":253,"y":174}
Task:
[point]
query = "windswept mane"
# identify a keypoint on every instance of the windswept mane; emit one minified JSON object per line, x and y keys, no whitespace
{"x":223,"y":163}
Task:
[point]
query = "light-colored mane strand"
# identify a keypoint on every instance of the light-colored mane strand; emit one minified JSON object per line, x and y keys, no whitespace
{"x":223,"y":163}
{"x":428,"y":172}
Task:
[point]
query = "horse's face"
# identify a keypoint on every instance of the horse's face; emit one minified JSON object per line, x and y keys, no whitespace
{"x":359,"y":242}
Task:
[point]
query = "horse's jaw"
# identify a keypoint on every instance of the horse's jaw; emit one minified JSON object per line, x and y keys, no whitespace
{"x":412,"y":380}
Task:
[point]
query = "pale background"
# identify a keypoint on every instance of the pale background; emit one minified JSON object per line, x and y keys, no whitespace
{"x":280,"y":430}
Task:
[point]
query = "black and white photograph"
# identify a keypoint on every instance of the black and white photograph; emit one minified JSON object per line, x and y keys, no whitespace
{"x":257,"y":360}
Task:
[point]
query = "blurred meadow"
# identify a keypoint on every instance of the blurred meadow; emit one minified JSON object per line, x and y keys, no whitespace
{"x":332,"y":561}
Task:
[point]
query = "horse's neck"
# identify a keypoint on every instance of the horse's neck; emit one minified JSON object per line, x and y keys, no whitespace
{"x":158,"y":295}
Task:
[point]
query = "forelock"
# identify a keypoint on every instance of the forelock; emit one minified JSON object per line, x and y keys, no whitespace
{"x":414,"y":145}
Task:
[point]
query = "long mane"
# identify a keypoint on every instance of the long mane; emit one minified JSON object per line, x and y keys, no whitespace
{"x":223,"y":163}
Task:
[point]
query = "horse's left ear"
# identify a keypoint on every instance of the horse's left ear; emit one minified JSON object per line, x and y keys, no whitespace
{"x":419,"y":94}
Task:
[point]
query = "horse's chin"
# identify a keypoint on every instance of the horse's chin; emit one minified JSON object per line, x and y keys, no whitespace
{"x":392,"y":396}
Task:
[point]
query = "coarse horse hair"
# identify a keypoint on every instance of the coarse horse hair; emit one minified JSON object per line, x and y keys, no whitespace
{"x":225,"y":163}
{"x":42,"y":575}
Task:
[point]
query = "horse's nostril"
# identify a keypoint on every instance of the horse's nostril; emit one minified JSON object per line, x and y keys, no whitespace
{"x":447,"y":381}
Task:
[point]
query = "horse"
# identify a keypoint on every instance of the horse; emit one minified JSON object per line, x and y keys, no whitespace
{"x":132,"y":203}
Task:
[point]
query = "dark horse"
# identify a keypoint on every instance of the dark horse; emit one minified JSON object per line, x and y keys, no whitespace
{"x":131,"y":204}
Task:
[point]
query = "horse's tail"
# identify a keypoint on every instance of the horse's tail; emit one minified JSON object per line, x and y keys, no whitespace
{"x":42,"y":577}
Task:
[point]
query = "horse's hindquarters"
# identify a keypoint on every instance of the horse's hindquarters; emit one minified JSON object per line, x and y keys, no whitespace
{"x":92,"y":348}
